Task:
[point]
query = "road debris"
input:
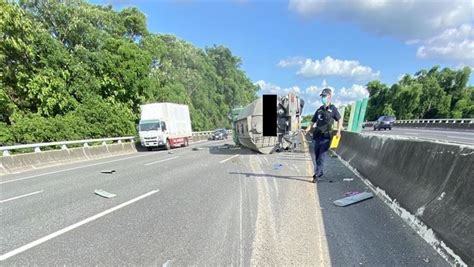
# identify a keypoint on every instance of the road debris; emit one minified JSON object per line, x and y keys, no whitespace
{"x":103,"y":193}
{"x":427,"y":260}
{"x":170,"y":152}
{"x":197,"y":148}
{"x":350,"y":193}
{"x":321,"y":180}
{"x":353,"y":199}
{"x":441,"y":196}
{"x":108,"y":171}
{"x":348,"y":179}
{"x":277,"y":166}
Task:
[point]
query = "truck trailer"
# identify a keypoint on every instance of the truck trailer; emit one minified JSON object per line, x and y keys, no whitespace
{"x":166,"y":125}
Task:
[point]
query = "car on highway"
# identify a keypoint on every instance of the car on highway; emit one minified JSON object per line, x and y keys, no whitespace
{"x":219,"y":134}
{"x":384,"y":122}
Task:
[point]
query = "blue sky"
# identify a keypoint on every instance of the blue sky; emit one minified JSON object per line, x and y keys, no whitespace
{"x":304,"y":45}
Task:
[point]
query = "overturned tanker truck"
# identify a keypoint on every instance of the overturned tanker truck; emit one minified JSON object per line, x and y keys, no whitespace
{"x":249,"y":125}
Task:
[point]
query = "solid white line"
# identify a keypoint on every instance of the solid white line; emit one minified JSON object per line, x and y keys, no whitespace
{"x":75,"y":168}
{"x":163,"y":160}
{"x":25,"y":195}
{"x":222,"y":161}
{"x":71,"y":227}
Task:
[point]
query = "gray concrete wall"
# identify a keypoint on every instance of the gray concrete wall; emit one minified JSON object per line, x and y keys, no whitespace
{"x":433,"y":181}
{"x":22,"y":162}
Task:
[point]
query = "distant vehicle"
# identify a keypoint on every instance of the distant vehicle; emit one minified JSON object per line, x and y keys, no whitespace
{"x":384,"y":122}
{"x":165,"y":125}
{"x":219,"y":134}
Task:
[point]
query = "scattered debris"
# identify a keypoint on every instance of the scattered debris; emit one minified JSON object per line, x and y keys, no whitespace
{"x":351,"y":193}
{"x":353,"y":199}
{"x":348,"y":179}
{"x":197,"y":148}
{"x":170,"y":152}
{"x":427,"y":260}
{"x":277,"y":166}
{"x":103,"y":193}
{"x":108,"y":171}
{"x":323,"y":180}
{"x":442,"y":196}
{"x":333,"y":156}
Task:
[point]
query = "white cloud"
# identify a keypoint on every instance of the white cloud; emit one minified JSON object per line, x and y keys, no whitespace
{"x":454,"y":45}
{"x":329,"y":66}
{"x":342,"y":96}
{"x":292,"y":61}
{"x":403,"y":19}
{"x":353,"y":93}
{"x":269,"y":88}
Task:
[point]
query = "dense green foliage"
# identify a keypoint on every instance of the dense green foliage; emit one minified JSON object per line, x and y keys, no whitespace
{"x":72,"y":70}
{"x":428,"y":94}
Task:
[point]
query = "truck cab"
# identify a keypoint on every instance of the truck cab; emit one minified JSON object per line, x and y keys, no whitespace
{"x":165,"y":125}
{"x":152,"y":133}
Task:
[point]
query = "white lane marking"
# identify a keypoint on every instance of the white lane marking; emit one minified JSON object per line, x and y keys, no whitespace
{"x":163,"y":160}
{"x":72,"y":227}
{"x":25,"y":195}
{"x":75,"y":168}
{"x":222,"y":161}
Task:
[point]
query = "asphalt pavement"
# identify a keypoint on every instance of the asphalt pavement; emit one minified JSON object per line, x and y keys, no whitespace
{"x":452,"y":136}
{"x":220,"y":205}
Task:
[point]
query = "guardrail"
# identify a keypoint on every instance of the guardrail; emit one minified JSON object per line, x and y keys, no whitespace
{"x":463,"y":123}
{"x":85,"y":143}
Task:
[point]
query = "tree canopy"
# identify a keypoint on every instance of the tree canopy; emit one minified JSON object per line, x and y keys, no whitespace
{"x":434,"y":93}
{"x":70,"y":69}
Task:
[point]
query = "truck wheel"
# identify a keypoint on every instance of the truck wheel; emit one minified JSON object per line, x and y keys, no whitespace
{"x":168,"y":145}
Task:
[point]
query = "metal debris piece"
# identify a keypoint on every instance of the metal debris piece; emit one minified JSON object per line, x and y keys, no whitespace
{"x":348,"y":179}
{"x":427,"y":260}
{"x":103,"y":193}
{"x":108,"y":171}
{"x":353,"y":199}
{"x":170,"y":152}
{"x":197,"y":148}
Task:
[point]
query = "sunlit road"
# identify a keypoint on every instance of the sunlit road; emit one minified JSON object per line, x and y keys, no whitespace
{"x":454,"y":136}
{"x":215,"y":206}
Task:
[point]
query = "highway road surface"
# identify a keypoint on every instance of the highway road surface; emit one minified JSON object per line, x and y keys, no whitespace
{"x":452,"y":136}
{"x":215,"y":206}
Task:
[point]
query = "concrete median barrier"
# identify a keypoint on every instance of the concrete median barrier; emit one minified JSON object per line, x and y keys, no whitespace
{"x":29,"y":161}
{"x":433,"y":181}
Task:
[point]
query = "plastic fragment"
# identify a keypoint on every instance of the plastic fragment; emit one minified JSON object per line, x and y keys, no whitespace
{"x":103,"y":193}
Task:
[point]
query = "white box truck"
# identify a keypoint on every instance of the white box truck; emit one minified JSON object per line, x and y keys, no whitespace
{"x":165,"y":125}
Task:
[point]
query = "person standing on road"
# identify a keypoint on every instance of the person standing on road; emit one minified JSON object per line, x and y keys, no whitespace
{"x":321,"y":127}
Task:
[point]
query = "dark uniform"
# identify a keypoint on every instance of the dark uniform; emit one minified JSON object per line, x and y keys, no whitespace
{"x":324,"y":118}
